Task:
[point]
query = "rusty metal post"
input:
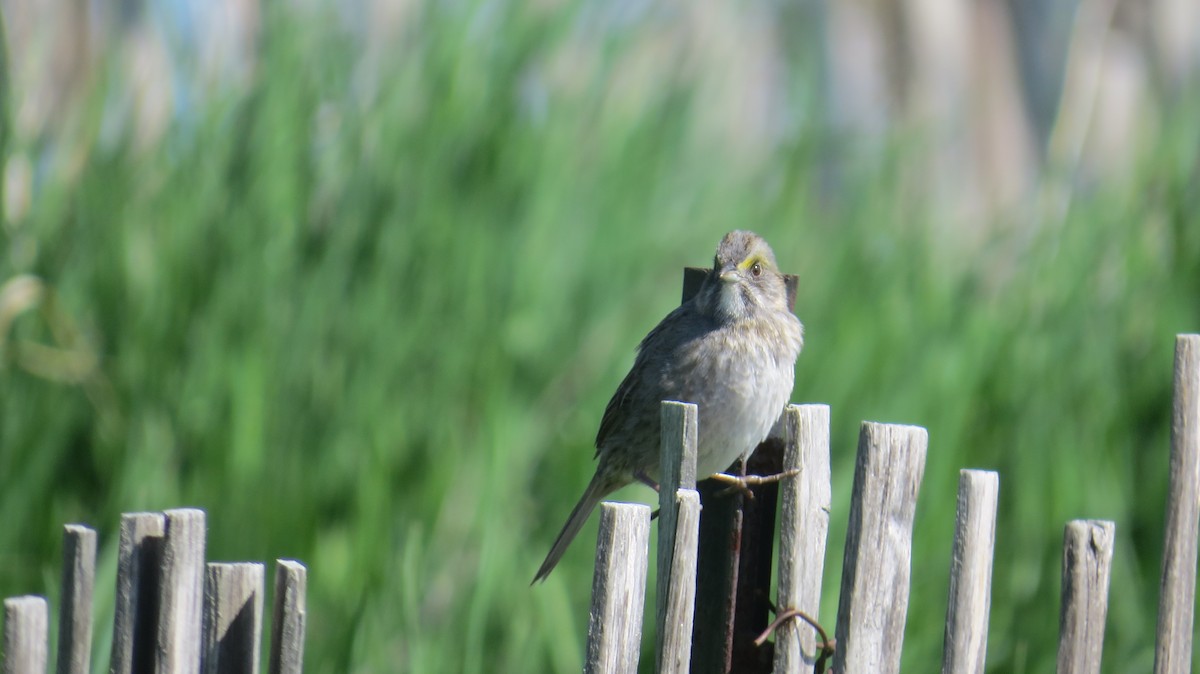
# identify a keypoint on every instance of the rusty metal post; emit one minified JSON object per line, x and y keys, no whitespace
{"x":733,"y":576}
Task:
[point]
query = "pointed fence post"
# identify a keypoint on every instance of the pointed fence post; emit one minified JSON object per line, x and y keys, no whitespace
{"x":1087,"y":560}
{"x":678,"y":538}
{"x":289,"y":617}
{"x":75,"y":606}
{"x":965,"y":647}
{"x":675,"y":626}
{"x":135,"y":625}
{"x":803,"y":530}
{"x":877,"y":565}
{"x":25,"y":634}
{"x":1177,"y":589}
{"x":181,"y":594}
{"x":233,"y":604}
{"x":618,"y":589}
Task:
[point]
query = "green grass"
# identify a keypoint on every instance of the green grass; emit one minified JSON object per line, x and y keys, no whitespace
{"x":374,"y":329}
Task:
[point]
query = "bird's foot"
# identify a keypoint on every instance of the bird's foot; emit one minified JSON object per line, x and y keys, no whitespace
{"x":742,"y":483}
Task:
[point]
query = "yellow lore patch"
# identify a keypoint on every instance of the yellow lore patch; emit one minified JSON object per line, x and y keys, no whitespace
{"x":751,"y":261}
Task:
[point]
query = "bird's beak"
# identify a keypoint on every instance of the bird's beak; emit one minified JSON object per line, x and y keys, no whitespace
{"x":728,"y":275}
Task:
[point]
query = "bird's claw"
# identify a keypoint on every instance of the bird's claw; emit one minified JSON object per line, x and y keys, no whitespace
{"x":742,"y":483}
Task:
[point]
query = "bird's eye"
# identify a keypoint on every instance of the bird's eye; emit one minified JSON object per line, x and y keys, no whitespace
{"x":756,"y":269}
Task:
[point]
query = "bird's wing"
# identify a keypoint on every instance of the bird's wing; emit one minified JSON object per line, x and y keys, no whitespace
{"x":620,"y":399}
{"x":640,"y":376}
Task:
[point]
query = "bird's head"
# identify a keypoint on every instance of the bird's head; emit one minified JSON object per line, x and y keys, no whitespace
{"x":744,"y":279}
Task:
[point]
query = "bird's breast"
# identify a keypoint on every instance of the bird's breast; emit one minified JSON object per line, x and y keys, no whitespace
{"x":740,"y":378}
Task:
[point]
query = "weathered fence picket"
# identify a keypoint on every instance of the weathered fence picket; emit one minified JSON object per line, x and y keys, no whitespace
{"x":78,"y":586}
{"x":877,"y":563}
{"x":615,"y":626}
{"x":233,"y":604}
{"x":25,"y":632}
{"x":804,"y":526}
{"x":173,"y":612}
{"x":679,"y":594}
{"x":1177,"y":590}
{"x":970,"y":596}
{"x":1087,"y":561}
{"x":290,"y":614}
{"x":678,"y":537}
{"x":135,"y":625}
{"x":181,"y":592}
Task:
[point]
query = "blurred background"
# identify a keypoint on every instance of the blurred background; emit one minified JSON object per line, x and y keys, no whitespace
{"x":359,"y":277}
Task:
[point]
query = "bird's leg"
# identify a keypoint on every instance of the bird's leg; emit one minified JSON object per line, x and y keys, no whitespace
{"x":743,"y":483}
{"x":641,"y":476}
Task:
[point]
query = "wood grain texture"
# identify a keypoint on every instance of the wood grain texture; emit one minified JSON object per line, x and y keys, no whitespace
{"x":26,"y":623}
{"x":181,"y":594}
{"x":674,"y":651}
{"x":970,"y":598}
{"x":1177,"y":588}
{"x":678,"y":465}
{"x":233,"y":604}
{"x":803,"y":531}
{"x":75,"y":605}
{"x":135,"y":623}
{"x":877,"y":565}
{"x":678,"y":471}
{"x":618,"y":589}
{"x":289,"y":617}
{"x":1087,"y":561}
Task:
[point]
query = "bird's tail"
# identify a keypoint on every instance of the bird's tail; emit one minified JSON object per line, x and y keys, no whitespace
{"x":600,"y":486}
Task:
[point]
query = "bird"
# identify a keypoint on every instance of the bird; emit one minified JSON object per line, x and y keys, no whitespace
{"x":731,"y":349}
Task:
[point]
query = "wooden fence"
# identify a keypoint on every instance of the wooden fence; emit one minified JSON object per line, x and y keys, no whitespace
{"x":174,"y":613}
{"x":873,"y":604}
